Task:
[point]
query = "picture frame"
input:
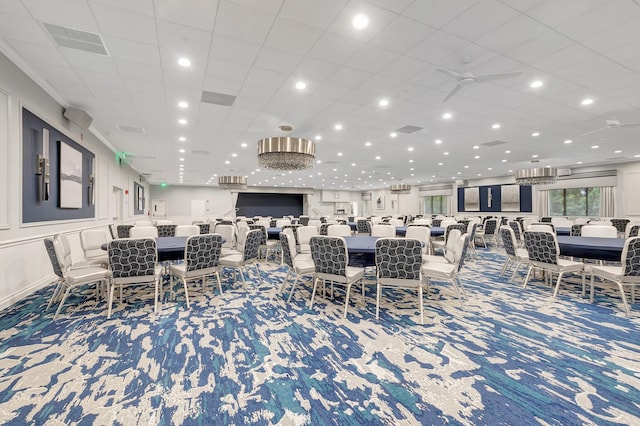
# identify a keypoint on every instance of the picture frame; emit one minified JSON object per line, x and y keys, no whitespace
{"x":472,"y":199}
{"x":510,"y":198}
{"x":380,"y":202}
{"x":70,"y":176}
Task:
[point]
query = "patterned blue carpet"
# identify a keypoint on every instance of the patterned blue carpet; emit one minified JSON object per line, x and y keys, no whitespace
{"x":512,"y":356}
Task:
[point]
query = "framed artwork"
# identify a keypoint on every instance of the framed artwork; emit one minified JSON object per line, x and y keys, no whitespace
{"x":472,"y":199}
{"x":510,"y":198}
{"x":138,"y":198}
{"x":380,"y":202}
{"x":70,"y":177}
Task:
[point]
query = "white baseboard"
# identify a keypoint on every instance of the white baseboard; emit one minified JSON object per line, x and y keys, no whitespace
{"x":9,"y":300}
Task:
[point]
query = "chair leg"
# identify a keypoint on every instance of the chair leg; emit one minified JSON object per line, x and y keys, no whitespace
{"x":526,"y":279}
{"x":504,"y":267}
{"x":313,"y":292}
{"x":346,"y":300}
{"x":186,"y":292}
{"x":378,"y":294}
{"x":286,"y":279}
{"x":259,"y":273}
{"x":421,"y":303}
{"x":624,"y":298}
{"x":515,"y":271}
{"x":555,"y":292}
{"x":55,"y":295}
{"x":293,"y":288}
{"x":591,"y":289}
{"x":111,"y":289}
{"x":64,"y":297}
{"x":219,"y":282}
{"x":155,"y":299}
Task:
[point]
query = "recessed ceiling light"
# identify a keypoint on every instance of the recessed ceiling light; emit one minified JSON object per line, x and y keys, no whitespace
{"x":182,"y":150}
{"x":617,"y":151}
{"x":466,"y":167}
{"x":595,"y":146}
{"x":243,"y":144}
{"x":476,"y":157}
{"x":446,"y":153}
{"x":360,"y":21}
{"x":479,"y":174}
{"x":535,"y":134}
{"x":568,"y":141}
{"x":183,"y":104}
{"x":318,"y":137}
{"x":504,"y":161}
{"x":534,"y":156}
{"x":411,"y":161}
{"x":476,"y":147}
{"x":440,"y":164}
{"x":339,"y":154}
{"x":410,"y":149}
{"x":586,"y":101}
{"x":383,"y":102}
{"x":507,"y":152}
{"x":447,"y":115}
{"x":495,"y":126}
{"x":301,"y":85}
{"x":438,"y":141}
{"x":393,"y":134}
{"x":459,"y":173}
{"x":182,"y":121}
{"x":535,"y":84}
{"x":367,"y":144}
{"x":229,"y":162}
{"x":181,"y":159}
{"x":636,"y":156}
{"x":234,"y":155}
{"x":489,"y":168}
{"x":184,"y":62}
{"x":182,"y":139}
{"x":318,"y":161}
{"x":338,"y":126}
{"x":353,"y":164}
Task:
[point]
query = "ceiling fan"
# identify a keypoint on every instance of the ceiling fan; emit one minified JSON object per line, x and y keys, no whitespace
{"x":612,"y":124}
{"x":464,"y":79}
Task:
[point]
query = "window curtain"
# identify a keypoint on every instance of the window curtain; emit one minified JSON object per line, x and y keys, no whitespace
{"x":607,"y":201}
{"x":542,"y":203}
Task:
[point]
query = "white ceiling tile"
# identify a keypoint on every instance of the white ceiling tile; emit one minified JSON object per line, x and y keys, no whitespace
{"x":542,"y":45}
{"x":467,"y":25}
{"x":242,"y":22}
{"x":13,"y":7}
{"x":551,"y":15}
{"x":335,"y":48}
{"x":93,"y":79}
{"x":270,"y":6}
{"x":292,"y":36}
{"x":234,"y":50}
{"x":401,"y":35}
{"x":437,"y":13}
{"x":562,"y":58}
{"x":404,"y":67}
{"x":132,"y":51}
{"x":38,"y":53}
{"x":319,"y":14}
{"x":437,"y":47}
{"x":395,"y":6}
{"x":183,"y":40}
{"x":142,"y":7}
{"x":74,"y":14}
{"x":314,"y":69}
{"x":277,"y":60}
{"x":199,"y":14}
{"x":511,"y":34}
{"x":614,"y":37}
{"x":124,"y":24}
{"x":136,"y":71}
{"x":372,"y":59}
{"x":599,"y":20}
{"x":227,"y":70}
{"x":378,"y":19}
{"x":220,"y":85}
{"x":143,"y":86}
{"x":89,"y":62}
{"x":256,"y":91}
{"x":17,"y":28}
{"x":350,"y":77}
{"x":331,"y":91}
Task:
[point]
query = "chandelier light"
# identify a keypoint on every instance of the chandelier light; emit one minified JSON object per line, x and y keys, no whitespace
{"x":400,"y":188}
{"x":286,"y":153}
{"x":536,"y":176}
{"x":232,"y":182}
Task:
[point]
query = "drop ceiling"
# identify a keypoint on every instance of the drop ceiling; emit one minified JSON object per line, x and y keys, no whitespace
{"x":247,"y":56}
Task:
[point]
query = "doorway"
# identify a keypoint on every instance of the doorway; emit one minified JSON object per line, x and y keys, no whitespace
{"x":159,"y":209}
{"x":115,"y":206}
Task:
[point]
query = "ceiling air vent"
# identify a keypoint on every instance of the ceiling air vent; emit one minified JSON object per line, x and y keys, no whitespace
{"x":130,"y":129}
{"x":76,"y":39}
{"x":199,"y":152}
{"x":493,"y":143}
{"x":409,"y":129}
{"x":217,"y":98}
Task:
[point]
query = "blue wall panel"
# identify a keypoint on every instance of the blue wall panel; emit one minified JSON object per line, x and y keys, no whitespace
{"x":276,"y":205}
{"x":526,"y":202}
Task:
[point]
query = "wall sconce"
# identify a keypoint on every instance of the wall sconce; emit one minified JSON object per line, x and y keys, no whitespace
{"x":489,"y":197}
{"x":42,"y":168}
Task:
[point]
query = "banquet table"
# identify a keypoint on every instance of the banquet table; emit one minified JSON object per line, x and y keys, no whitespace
{"x":169,"y":248}
{"x":591,"y":247}
{"x":563,"y":230}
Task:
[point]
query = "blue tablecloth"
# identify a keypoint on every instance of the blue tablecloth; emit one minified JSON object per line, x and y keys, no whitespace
{"x":169,"y":248}
{"x":274,"y":233}
{"x":352,"y":225}
{"x":562,"y":230}
{"x":591,"y":247}
{"x":362,"y":250}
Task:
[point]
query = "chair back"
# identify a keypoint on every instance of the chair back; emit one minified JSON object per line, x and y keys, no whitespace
{"x":508,"y":240}
{"x":91,"y":241}
{"x":421,"y":222}
{"x":459,"y":226}
{"x":123,"y":231}
{"x":631,"y":259}
{"x":461,"y":249}
{"x":542,"y":247}
{"x":620,"y":224}
{"x":339,"y":231}
{"x":288,"y":249}
{"x":205,"y":228}
{"x":263,"y":233}
{"x":202,"y":251}
{"x":444,"y":223}
{"x":142,"y":223}
{"x":187,"y":230}
{"x":304,"y":236}
{"x":113,"y":231}
{"x":490,"y":226}
{"x":294,"y":228}
{"x":228,"y":232}
{"x":600,"y":222}
{"x":314,"y":222}
{"x":143,"y":232}
{"x":164,"y":222}
{"x":420,"y":233}
{"x":398,"y":258}
{"x":540,"y":227}
{"x":576,"y":229}
{"x":303,"y":220}
{"x":63,"y":251}
{"x":132,"y":257}
{"x":330,"y":255}
{"x":451,"y":245}
{"x":251,"y":246}
{"x":633,"y":230}
{"x":599,"y":231}
{"x":282,"y":222}
{"x":517,"y":229}
{"x":383,"y":231}
{"x":169,"y":230}
{"x":50,"y":246}
{"x":436,"y":222}
{"x":324,"y":227}
{"x":363,"y":226}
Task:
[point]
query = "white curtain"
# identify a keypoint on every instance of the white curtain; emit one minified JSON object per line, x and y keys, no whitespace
{"x":607,"y":201}
{"x":542,"y":203}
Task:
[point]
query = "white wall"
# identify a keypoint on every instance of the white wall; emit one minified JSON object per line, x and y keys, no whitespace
{"x":24,"y":264}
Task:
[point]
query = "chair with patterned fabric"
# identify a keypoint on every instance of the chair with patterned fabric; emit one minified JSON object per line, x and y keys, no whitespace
{"x":249,"y":255}
{"x":201,"y":257}
{"x":331,"y":261}
{"x":488,"y":232}
{"x":303,"y":220}
{"x":576,"y":229}
{"x":440,"y":243}
{"x":516,"y":256}
{"x":339,"y":231}
{"x":133,"y":261}
{"x":363,"y":227}
{"x":628,"y":274}
{"x":620,"y":225}
{"x":296,"y":264}
{"x":632,"y":230}
{"x":323,"y":228}
{"x":70,"y":278}
{"x":517,"y":231}
{"x":123,"y":231}
{"x":169,"y":230}
{"x":266,"y":245}
{"x":445,"y":271}
{"x":544,"y":253}
{"x":398,"y":262}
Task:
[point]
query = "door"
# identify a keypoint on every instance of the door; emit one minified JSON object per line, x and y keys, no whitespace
{"x":198,"y":208}
{"x":159,"y":208}
{"x":115,"y":206}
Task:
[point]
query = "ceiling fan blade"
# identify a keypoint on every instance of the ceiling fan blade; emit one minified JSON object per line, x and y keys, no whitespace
{"x":630,"y":125}
{"x":594,"y":131}
{"x":451,"y":93}
{"x":491,"y":77}
{"x":450,"y":73}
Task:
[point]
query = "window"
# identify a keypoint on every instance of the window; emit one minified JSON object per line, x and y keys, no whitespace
{"x":436,"y":204}
{"x":574,"y":202}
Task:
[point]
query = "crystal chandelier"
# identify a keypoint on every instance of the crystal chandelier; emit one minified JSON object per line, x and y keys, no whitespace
{"x":400,"y":188}
{"x":232,"y":182}
{"x":286,"y":153}
{"x":536,"y":176}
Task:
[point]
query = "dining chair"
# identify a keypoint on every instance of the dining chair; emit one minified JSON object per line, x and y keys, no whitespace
{"x":266,"y":245}
{"x":540,"y":227}
{"x":315,"y":222}
{"x":445,"y":271}
{"x":632,"y":230}
{"x":160,"y":222}
{"x":422,"y":234}
{"x":297,"y":265}
{"x":113,"y":231}
{"x":516,"y":256}
{"x":303,"y":220}
{"x":304,"y":237}
{"x":488,"y":231}
{"x":142,"y":223}
{"x":517,"y":231}
{"x":576,"y":229}
{"x":205,"y":228}
{"x":599,"y":231}
{"x":544,"y":253}
{"x":188,"y":230}
{"x":324,"y":227}
{"x":620,"y":225}
{"x":448,"y":254}
{"x":133,"y":261}
{"x":71,"y":278}
{"x":625,"y":275}
{"x":169,"y":230}
{"x":331,"y":263}
{"x":68,"y":255}
{"x":439,"y":243}
{"x":228,"y":232}
{"x":339,"y":231}
{"x":249,"y":255}
{"x":363,"y":227}
{"x":383,"y":231}
{"x":123,"y":231}
{"x":143,"y":232}
{"x":398,"y":263}
{"x":91,"y":241}
{"x":282,"y":222}
{"x":201,"y":258}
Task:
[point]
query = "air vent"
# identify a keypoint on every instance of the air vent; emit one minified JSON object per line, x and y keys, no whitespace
{"x":493,"y":143}
{"x":76,"y":39}
{"x":130,"y":129}
{"x":583,"y":175}
{"x":619,"y":158}
{"x":409,"y":129}
{"x":217,"y":98}
{"x":199,"y":152}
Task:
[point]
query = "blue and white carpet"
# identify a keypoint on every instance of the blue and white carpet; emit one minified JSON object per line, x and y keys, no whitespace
{"x":512,"y":356}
